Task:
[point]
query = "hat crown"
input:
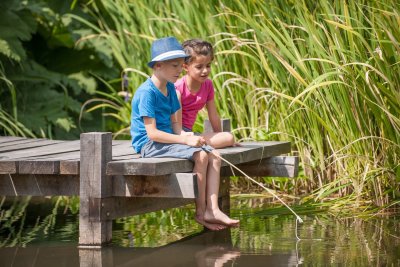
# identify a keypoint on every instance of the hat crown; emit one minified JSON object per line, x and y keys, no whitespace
{"x":164,"y":45}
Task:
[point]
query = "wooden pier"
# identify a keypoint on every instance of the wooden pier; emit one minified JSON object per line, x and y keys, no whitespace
{"x":112,"y":181}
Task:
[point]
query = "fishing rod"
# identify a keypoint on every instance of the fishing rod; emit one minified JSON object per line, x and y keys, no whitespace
{"x":298,"y":219}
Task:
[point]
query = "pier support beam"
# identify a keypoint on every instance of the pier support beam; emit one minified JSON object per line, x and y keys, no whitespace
{"x":95,"y":185}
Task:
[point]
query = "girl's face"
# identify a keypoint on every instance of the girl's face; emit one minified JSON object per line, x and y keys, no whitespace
{"x":199,"y":68}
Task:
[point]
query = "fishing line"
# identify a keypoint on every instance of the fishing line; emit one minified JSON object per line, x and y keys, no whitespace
{"x":298,"y":219}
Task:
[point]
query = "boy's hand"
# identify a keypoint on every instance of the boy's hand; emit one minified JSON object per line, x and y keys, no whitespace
{"x":183,"y":133}
{"x":193,"y":140}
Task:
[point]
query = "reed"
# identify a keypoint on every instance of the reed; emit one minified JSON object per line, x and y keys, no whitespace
{"x":323,"y":75}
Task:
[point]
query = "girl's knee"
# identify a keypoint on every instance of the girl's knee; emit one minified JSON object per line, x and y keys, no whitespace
{"x":230,"y":139}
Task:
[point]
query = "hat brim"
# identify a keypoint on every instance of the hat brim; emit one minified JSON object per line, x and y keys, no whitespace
{"x":151,"y":63}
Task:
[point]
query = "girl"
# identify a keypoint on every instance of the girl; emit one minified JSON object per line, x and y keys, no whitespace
{"x":195,"y":91}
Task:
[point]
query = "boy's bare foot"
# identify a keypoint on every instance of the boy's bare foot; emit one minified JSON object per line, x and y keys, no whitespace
{"x":218,"y":217}
{"x":210,"y":226}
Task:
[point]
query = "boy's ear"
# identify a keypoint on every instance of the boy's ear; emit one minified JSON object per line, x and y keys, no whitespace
{"x":157,"y":65}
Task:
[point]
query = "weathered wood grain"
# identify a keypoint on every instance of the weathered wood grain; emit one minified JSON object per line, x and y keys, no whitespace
{"x":8,"y":166}
{"x":278,"y":166}
{"x":177,"y":185}
{"x":28,"y":143}
{"x":44,"y":150}
{"x":5,"y":139}
{"x":38,"y":185}
{"x":94,"y":184}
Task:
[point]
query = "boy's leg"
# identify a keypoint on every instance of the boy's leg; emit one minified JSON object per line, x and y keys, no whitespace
{"x":213,"y":214}
{"x":200,"y":168}
{"x":219,"y":140}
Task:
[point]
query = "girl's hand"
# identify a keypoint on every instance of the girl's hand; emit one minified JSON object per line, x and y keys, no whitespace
{"x":193,"y":140}
{"x":236,"y":144}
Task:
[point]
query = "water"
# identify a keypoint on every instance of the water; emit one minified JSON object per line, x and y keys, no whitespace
{"x":40,"y":232}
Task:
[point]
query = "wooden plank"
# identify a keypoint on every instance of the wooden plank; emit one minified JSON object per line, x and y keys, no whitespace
{"x":117,"y":207}
{"x":38,"y":167}
{"x":8,"y":166}
{"x":27,"y":145}
{"x":278,"y":166}
{"x":177,"y":185}
{"x":62,"y":147}
{"x":96,"y":151}
{"x":69,"y":167}
{"x":5,"y":139}
{"x":122,"y":148}
{"x":249,"y":151}
{"x":38,"y":185}
{"x":17,"y":142}
{"x":149,"y":166}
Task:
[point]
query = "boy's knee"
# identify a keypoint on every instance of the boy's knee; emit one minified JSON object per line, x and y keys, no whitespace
{"x":215,"y":156}
{"x":200,"y":157}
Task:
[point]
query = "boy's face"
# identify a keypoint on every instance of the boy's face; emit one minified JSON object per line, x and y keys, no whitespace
{"x":170,"y":70}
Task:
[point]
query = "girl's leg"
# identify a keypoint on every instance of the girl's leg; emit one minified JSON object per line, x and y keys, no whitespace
{"x":213,"y":214}
{"x":219,"y":140}
{"x":200,"y":168}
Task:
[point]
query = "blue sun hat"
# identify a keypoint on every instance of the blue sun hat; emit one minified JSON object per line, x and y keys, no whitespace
{"x":165,"y":49}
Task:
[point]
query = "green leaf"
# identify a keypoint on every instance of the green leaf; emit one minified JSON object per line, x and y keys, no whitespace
{"x":88,"y":84}
{"x":65,"y":123}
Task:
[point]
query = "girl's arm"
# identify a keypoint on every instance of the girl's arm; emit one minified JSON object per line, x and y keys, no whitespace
{"x":162,"y":137}
{"x":178,"y":118}
{"x":178,"y":115}
{"x":176,"y":125}
{"x":213,"y":116}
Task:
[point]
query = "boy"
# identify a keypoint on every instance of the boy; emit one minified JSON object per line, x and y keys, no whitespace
{"x":156,"y":131}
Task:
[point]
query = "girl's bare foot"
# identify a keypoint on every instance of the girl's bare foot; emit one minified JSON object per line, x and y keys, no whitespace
{"x":218,"y":217}
{"x":210,"y":226}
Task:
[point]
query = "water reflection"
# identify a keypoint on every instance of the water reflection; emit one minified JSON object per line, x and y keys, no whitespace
{"x":266,"y":236}
{"x":207,"y":249}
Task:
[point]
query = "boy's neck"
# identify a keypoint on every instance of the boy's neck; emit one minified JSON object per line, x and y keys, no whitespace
{"x":161,"y":84}
{"x":193,"y":85}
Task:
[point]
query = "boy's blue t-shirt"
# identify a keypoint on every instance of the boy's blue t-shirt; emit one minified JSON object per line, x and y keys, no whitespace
{"x":148,"y":101}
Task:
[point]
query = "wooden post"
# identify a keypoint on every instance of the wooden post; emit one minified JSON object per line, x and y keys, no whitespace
{"x":95,"y":185}
{"x":225,"y":126}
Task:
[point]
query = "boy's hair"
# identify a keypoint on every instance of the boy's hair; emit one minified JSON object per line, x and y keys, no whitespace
{"x":197,"y":47}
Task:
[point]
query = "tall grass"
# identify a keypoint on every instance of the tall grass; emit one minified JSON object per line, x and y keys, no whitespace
{"x":9,"y":122}
{"x":322,"y":74}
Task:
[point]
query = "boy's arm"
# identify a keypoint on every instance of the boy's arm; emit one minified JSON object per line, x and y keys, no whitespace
{"x":213,"y":116}
{"x":162,"y":137}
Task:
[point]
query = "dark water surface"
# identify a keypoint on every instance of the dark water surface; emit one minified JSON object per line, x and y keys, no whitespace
{"x":38,"y":232}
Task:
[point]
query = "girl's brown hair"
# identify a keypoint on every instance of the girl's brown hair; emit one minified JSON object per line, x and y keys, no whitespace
{"x":197,"y":47}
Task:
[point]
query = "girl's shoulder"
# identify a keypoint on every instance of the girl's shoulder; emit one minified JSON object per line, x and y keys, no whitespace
{"x":179,"y":84}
